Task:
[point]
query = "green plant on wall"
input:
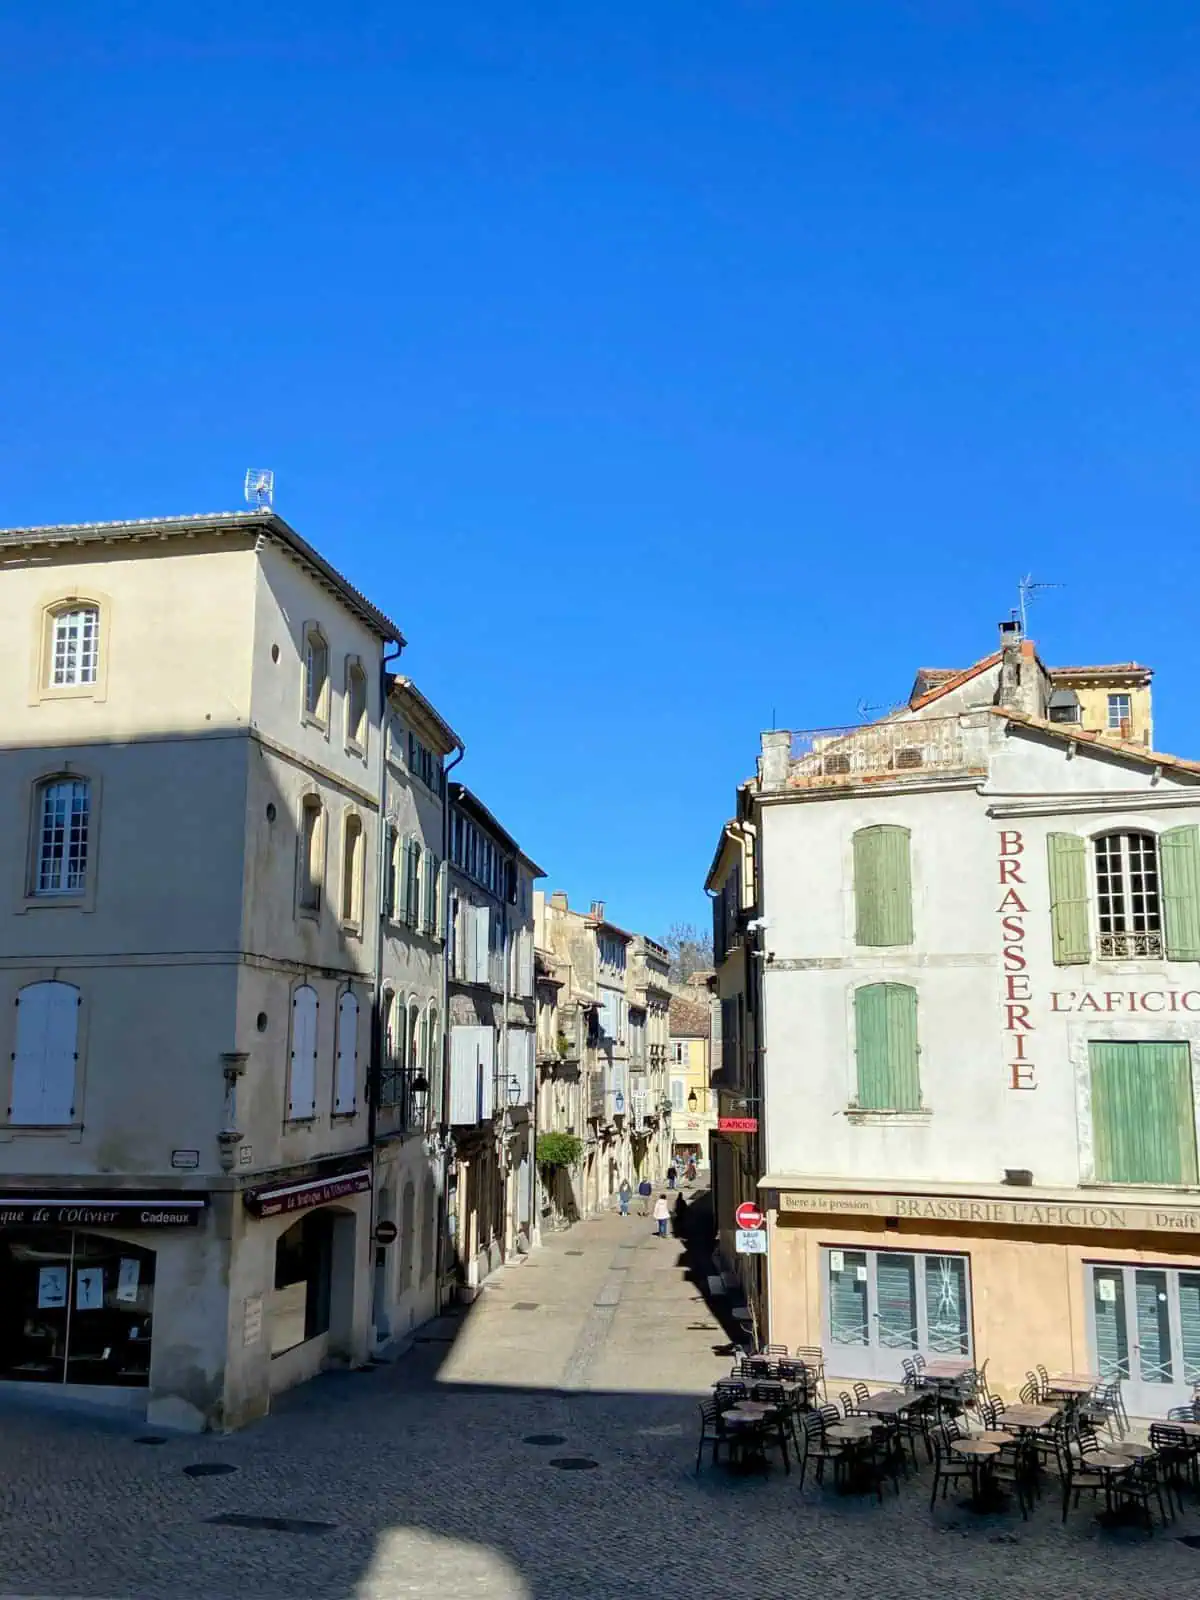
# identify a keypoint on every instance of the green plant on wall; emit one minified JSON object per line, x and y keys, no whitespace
{"x":558,"y":1149}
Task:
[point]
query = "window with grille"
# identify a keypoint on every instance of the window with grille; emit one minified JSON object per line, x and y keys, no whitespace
{"x":64,"y":810}
{"x":75,"y":647}
{"x":316,"y":673}
{"x":1129,"y":916}
{"x":1120,"y":711}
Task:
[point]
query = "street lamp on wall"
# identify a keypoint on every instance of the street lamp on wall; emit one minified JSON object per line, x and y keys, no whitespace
{"x":514,"y":1091}
{"x":693,"y":1102}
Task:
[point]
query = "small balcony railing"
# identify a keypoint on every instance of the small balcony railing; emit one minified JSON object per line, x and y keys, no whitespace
{"x":827,"y":757}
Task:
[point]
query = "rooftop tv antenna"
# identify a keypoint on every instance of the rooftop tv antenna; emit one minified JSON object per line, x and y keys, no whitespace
{"x":1027,"y":589}
{"x":259,"y":487}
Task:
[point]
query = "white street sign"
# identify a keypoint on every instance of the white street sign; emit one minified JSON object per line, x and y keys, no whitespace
{"x":751,"y":1241}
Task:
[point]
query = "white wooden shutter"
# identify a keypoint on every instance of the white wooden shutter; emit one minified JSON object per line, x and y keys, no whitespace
{"x":43,"y":1076}
{"x":470,"y":1075}
{"x":487,"y":1074}
{"x":345,"y":1072}
{"x":440,"y":912}
{"x":302,"y":1070}
{"x":482,"y":942}
{"x":431,"y":892}
{"x":526,"y":962}
{"x":403,"y":910}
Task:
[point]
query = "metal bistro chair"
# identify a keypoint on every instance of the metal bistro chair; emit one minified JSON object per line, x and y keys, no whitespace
{"x":774,"y":1350}
{"x":728,"y":1392}
{"x":947,"y":1469}
{"x":817,"y":1448}
{"x":714,"y":1432}
{"x":1177,"y":1456}
{"x":917,"y":1421}
{"x":813,"y":1358}
{"x":1031,"y":1390}
{"x":1141,"y":1486}
{"x":913,"y":1378}
{"x":1076,"y":1477}
{"x":1105,"y":1408}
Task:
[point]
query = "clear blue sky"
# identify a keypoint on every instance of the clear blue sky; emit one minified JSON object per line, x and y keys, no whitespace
{"x":658,"y":366}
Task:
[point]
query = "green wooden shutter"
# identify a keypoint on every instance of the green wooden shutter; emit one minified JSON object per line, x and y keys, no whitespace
{"x":1067,"y":855}
{"x":406,"y":908}
{"x":882,"y":886}
{"x":885,"y":1029}
{"x":1179,"y":864}
{"x":1143,"y":1116}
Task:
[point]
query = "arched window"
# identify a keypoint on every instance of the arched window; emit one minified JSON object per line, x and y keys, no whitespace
{"x":345,"y":1071}
{"x":408,"y":1224}
{"x":356,"y":704}
{"x":433,"y":1043}
{"x":62,"y":818}
{"x":74,"y":653}
{"x":302,"y":1065}
{"x":389,"y":1067}
{"x":412,"y":888}
{"x":312,"y":853}
{"x":352,"y":869}
{"x":1128,"y":912}
{"x":316,"y":674}
{"x":429,"y":1216}
{"x":45,"y":1061}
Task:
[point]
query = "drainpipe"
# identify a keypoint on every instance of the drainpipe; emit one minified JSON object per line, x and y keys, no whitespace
{"x":376,"y":1063}
{"x":444,"y":1108}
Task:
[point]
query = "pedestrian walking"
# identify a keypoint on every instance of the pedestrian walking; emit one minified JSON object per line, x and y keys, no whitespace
{"x":645,"y":1189}
{"x":662,"y":1215}
{"x":691,"y":1172}
{"x":624,"y":1194}
{"x":671,"y":1177}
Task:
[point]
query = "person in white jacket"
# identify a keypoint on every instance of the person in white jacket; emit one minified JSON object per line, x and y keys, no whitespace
{"x":662,"y":1215}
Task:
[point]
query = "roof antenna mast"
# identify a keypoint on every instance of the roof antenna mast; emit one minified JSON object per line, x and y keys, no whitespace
{"x":1027,"y":589}
{"x":259,"y":487}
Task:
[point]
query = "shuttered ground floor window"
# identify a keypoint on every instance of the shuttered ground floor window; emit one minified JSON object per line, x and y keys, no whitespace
{"x":885,"y":1305}
{"x":1143,"y":1112}
{"x":1145,"y":1332}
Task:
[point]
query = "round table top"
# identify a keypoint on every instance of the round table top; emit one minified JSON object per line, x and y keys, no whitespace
{"x":975,"y":1447}
{"x":994,"y":1436}
{"x":1192,"y":1429}
{"x":1132,"y":1449}
{"x":1104,"y":1461}
{"x":1029,"y":1416}
{"x":751,"y":1408}
{"x":849,"y":1431}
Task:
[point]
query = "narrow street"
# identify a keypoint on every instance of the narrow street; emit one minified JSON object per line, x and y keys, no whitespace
{"x":539,"y":1446}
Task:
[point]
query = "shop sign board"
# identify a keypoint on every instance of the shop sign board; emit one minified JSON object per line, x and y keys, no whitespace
{"x":737,"y":1124}
{"x":277,"y":1199}
{"x":125,"y":1211}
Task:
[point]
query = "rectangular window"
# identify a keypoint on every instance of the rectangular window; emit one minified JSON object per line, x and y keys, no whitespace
{"x":76,"y":651}
{"x":63,"y":837}
{"x":1120,"y":712}
{"x":885,"y":1027}
{"x":1143,"y":1114}
{"x":1127,"y":904}
{"x":882,"y":887}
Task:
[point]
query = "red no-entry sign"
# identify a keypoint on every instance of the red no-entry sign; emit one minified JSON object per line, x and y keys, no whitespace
{"x":748,"y":1215}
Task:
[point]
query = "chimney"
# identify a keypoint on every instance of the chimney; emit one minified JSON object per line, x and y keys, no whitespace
{"x":597,"y":912}
{"x":775,"y":762}
{"x":559,"y":900}
{"x":1021,"y":687}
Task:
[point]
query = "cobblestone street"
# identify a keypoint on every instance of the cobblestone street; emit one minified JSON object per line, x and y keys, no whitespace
{"x":443,"y":1475}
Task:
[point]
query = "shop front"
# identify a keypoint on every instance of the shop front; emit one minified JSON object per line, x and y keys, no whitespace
{"x":1073,"y":1281}
{"x":78,"y":1278}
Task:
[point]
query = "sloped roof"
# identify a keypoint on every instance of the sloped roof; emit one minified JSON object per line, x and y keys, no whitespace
{"x":249,"y":521}
{"x":1070,"y":733}
{"x":689,"y":1020}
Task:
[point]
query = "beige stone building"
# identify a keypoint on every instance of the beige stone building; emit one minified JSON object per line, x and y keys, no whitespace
{"x":649,"y":995}
{"x":693,"y":1117}
{"x":191,"y":719}
{"x":958,"y":965}
{"x":492,"y":1071}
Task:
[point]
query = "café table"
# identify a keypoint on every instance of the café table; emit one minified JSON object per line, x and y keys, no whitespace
{"x":1109,"y":1465}
{"x":1072,"y":1383}
{"x":948,"y":1370}
{"x":1024,"y":1418}
{"x":1133,"y":1448}
{"x":1192,"y":1429}
{"x":979,"y":1455}
{"x":856,"y":1434}
{"x":887,"y":1403}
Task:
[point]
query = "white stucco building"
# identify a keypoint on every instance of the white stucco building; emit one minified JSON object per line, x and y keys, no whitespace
{"x":190,"y":719}
{"x":959,"y":965}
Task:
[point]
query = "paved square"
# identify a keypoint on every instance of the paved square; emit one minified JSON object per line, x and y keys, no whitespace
{"x":447,"y":1474}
